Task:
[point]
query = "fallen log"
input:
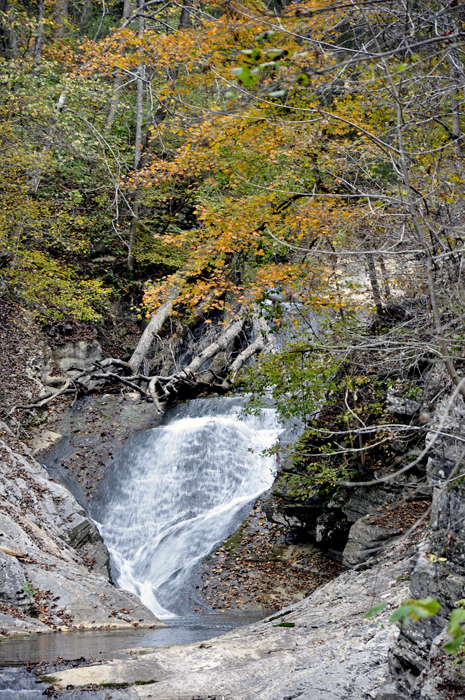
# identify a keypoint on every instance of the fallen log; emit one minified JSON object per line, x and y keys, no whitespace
{"x":162,"y":390}
{"x":257,"y":346}
{"x":264,"y":341}
{"x":221,"y":344}
{"x":154,"y":395}
{"x":111,"y":375}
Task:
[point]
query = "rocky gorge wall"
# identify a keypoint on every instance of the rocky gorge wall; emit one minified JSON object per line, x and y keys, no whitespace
{"x":421,"y":515}
{"x":323,"y":648}
{"x":53,"y":563}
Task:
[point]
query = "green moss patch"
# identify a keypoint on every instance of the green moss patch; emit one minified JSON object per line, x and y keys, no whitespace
{"x":51,"y":680}
{"x":276,"y":617}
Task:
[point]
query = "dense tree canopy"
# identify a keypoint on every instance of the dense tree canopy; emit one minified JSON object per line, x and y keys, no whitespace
{"x":232,"y":158}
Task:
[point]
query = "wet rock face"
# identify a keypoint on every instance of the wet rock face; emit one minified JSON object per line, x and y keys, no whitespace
{"x":50,"y":542}
{"x":354,"y":526}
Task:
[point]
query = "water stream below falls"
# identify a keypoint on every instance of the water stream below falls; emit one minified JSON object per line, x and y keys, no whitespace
{"x":178,"y":490}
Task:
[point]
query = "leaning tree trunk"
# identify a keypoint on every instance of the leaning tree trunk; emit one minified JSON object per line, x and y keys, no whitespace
{"x":262,"y":340}
{"x":155,"y":325}
{"x":127,"y":11}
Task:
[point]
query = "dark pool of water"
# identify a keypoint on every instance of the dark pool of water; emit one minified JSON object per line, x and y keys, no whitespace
{"x":113,"y":644}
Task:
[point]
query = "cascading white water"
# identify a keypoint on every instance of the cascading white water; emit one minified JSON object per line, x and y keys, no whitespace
{"x":178,"y":490}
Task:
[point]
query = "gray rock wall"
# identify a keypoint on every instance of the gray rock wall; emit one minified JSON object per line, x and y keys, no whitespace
{"x":419,"y":666}
{"x":51,"y":574}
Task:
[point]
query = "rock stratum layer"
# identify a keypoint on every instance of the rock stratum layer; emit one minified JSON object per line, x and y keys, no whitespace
{"x":53,"y":563}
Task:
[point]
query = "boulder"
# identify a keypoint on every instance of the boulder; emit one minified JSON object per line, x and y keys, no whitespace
{"x":400,"y":404}
{"x":365,"y":540}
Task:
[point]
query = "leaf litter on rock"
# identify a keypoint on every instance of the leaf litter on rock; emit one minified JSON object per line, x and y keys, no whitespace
{"x":261,"y":568}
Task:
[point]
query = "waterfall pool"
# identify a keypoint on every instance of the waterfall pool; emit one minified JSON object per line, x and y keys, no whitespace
{"x":115,"y":644}
{"x":171,"y":496}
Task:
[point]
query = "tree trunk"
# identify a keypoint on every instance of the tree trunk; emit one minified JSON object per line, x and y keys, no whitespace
{"x":155,"y":325}
{"x":387,"y":289}
{"x":39,"y":35}
{"x":128,"y":8}
{"x":257,"y":346}
{"x":133,"y":230}
{"x":11,"y":38}
{"x":139,"y":99}
{"x":422,"y":239}
{"x":62,"y":16}
{"x":456,"y":72}
{"x":455,"y":64}
{"x":138,"y":143}
{"x":36,"y":178}
{"x":374,"y":284}
{"x":221,"y":344}
{"x":185,"y":15}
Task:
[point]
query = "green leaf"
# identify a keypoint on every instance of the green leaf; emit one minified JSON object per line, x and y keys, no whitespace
{"x":244,"y":76}
{"x":418,"y":609}
{"x":454,"y":644}
{"x":254,"y":54}
{"x":277,"y":53}
{"x":374,"y":610}
{"x":265,"y":35}
{"x":303,"y":79}
{"x":457,"y":616}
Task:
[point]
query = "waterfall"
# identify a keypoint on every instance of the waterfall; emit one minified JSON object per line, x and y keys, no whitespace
{"x":178,"y":490}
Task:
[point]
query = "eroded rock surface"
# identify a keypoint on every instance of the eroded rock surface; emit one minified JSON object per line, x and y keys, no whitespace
{"x":48,"y":547}
{"x":420,"y":668}
{"x":318,"y":649}
{"x":90,"y":435}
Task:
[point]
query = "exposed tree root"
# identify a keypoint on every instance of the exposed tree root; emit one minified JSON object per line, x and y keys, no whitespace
{"x":163,"y":390}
